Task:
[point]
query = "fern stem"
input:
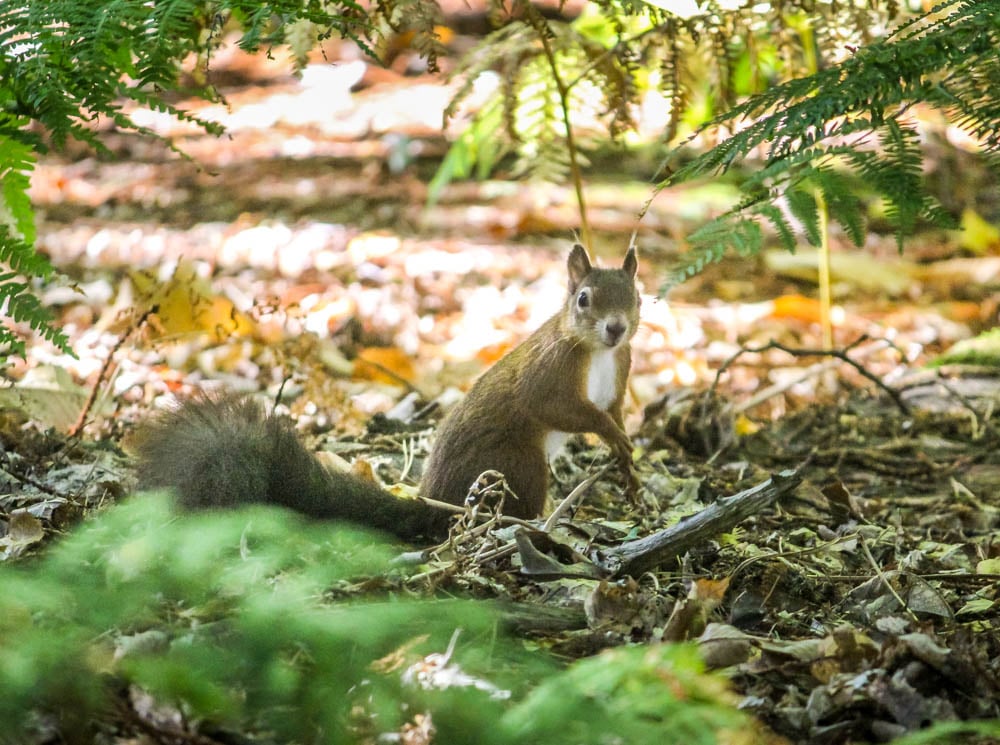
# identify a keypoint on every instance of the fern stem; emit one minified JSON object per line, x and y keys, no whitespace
{"x":574,"y":162}
{"x":825,"y":295}
{"x":809,"y":51}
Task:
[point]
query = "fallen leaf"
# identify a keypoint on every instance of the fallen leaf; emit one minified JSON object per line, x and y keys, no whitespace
{"x":976,"y":234}
{"x":185,"y":304}
{"x":722,"y":645}
{"x":384,"y":365}
{"x":891,"y":276}
{"x":797,"y":307}
{"x":48,"y":396}
{"x":23,"y":530}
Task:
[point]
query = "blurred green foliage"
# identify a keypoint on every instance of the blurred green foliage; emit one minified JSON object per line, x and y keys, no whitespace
{"x":255,"y":621}
{"x":829,"y":103}
{"x":852,"y":128}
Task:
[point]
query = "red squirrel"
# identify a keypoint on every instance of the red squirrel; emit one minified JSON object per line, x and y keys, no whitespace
{"x":568,"y":376}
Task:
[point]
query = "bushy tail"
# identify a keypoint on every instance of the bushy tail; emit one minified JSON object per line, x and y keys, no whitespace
{"x":218,"y":452}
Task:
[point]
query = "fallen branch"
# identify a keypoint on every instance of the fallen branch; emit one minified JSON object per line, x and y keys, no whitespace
{"x":836,"y":354}
{"x":635,"y":557}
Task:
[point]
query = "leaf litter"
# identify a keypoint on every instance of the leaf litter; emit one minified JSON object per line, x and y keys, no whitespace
{"x":861,"y":606}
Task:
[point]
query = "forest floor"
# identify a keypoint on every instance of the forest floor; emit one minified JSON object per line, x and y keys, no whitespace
{"x":298,"y":254}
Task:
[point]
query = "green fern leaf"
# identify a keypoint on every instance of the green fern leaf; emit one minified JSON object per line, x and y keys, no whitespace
{"x":477,"y":150}
{"x":780,"y":224}
{"x":802,"y":204}
{"x":713,"y":239}
{"x":16,"y":296}
{"x":841,"y":202}
{"x":16,"y":162}
{"x":846,"y":124}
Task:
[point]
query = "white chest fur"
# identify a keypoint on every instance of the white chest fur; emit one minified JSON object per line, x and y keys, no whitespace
{"x":601,"y":379}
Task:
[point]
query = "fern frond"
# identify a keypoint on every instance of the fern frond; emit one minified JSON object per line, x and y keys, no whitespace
{"x":476,"y":150}
{"x":842,"y":201}
{"x":713,"y":239}
{"x":779,"y":223}
{"x":504,"y":50}
{"x":17,"y":299}
{"x":852,"y":116}
{"x":627,"y":48}
{"x":794,"y":115}
{"x":17,"y":159}
{"x":803,"y":206}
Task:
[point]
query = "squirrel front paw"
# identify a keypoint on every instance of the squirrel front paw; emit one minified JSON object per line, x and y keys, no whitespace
{"x":621,"y":449}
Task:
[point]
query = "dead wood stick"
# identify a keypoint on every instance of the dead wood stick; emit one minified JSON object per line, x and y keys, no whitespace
{"x":840,"y":354}
{"x":536,"y":618}
{"x":635,"y":557}
{"x":570,"y":501}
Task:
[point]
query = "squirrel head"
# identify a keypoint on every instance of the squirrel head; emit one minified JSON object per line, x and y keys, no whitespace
{"x":603,"y":304}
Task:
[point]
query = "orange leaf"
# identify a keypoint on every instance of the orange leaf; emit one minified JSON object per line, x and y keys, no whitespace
{"x":963,"y":312}
{"x":491,"y":354}
{"x":799,"y":307}
{"x":384,"y":365}
{"x":710,"y":589}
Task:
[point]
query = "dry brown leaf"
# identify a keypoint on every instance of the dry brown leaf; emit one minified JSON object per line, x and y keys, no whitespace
{"x":722,"y":645}
{"x":47,"y":396}
{"x":615,"y":604}
{"x":690,"y":615}
{"x":23,"y":531}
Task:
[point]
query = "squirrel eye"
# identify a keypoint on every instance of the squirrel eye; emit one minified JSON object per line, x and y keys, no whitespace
{"x":583,"y":299}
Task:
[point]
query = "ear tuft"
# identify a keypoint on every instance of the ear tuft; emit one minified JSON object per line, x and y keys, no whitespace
{"x":631,"y":263}
{"x":578,"y":265}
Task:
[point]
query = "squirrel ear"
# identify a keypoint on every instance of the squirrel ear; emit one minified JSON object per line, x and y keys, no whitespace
{"x":578,"y":265}
{"x":631,"y":263}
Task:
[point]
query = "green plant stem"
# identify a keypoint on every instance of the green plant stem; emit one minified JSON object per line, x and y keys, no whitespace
{"x":826,"y":323}
{"x":574,"y":163}
{"x":809,"y":51}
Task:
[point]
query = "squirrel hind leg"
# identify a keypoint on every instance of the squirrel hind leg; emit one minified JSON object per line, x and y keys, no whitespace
{"x":527,"y":475}
{"x":450,"y":477}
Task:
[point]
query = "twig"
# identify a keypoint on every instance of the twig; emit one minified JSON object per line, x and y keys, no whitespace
{"x":570,"y":501}
{"x":778,"y":388}
{"x":840,"y":354}
{"x":883,"y":579}
{"x":781,"y":555}
{"x":541,"y":26}
{"x":437,"y":505}
{"x":92,"y":396}
{"x":32,"y":482}
{"x":607,"y":54}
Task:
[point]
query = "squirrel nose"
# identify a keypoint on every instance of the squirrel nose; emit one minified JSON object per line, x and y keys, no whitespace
{"x":615,"y":331}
